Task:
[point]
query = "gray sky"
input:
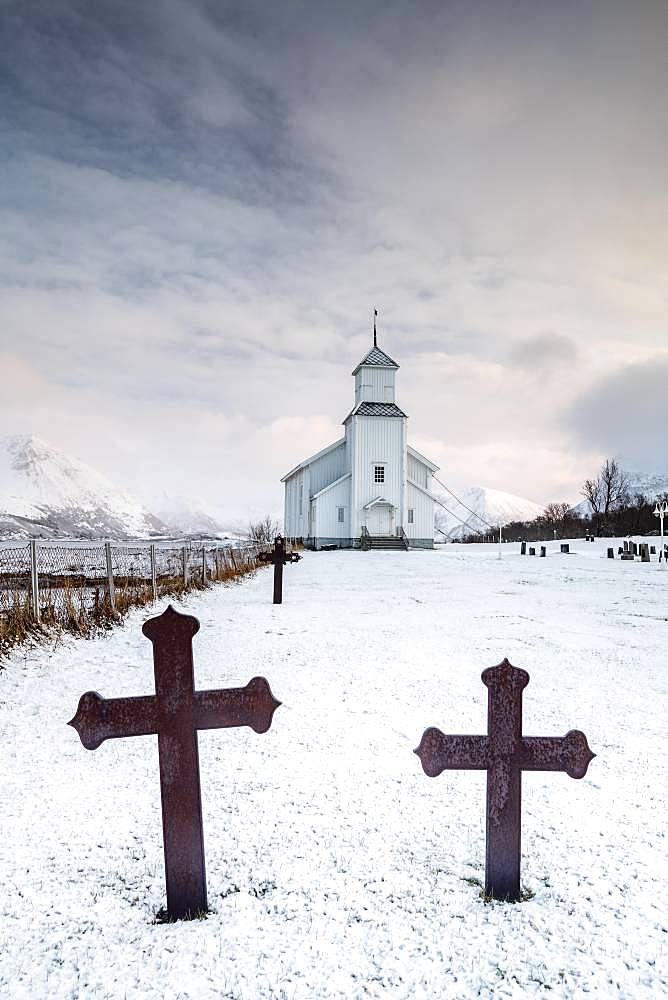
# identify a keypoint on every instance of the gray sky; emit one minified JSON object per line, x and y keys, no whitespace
{"x":202,"y":202}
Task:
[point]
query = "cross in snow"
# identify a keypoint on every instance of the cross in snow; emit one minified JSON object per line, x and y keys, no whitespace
{"x":175,"y":713}
{"x":504,"y":753}
{"x":279,"y":557}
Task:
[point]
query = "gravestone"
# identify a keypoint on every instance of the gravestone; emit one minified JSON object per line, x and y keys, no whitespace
{"x":611,"y":553}
{"x":543,"y":551}
{"x":523,"y":549}
{"x":532,"y":551}
{"x":175,"y":713}
{"x":565,"y":547}
{"x":279,"y":557}
{"x":626,"y":545}
{"x":644,"y":553}
{"x":504,"y":753}
{"x":652,"y":550}
{"x":620,"y":551}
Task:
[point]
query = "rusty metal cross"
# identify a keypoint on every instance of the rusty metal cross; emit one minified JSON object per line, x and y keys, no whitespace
{"x":279,"y":557}
{"x":504,"y":753}
{"x":175,"y":713}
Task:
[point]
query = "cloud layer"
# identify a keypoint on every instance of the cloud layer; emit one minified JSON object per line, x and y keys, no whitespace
{"x":202,"y":203}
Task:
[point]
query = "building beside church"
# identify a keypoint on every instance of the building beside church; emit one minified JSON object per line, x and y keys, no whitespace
{"x":370,"y":486}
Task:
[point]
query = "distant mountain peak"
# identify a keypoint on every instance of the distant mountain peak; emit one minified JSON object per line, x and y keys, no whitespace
{"x":487,"y":508}
{"x":45,"y":491}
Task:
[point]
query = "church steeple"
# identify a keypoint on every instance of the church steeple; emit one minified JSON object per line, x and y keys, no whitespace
{"x":375,"y":374}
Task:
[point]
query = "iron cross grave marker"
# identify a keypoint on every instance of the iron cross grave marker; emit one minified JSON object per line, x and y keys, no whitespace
{"x":504,"y":753}
{"x":279,"y":557}
{"x":174,"y":713}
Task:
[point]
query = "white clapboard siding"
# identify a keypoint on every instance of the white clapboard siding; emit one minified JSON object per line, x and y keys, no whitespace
{"x":423,"y":513}
{"x":377,"y":441}
{"x":325,"y":506}
{"x":375,"y":384}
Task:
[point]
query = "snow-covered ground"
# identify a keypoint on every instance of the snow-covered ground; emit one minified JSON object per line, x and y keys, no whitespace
{"x":336,"y":868}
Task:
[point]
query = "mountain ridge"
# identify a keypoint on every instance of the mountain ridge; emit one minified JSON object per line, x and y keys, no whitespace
{"x":492,"y":508}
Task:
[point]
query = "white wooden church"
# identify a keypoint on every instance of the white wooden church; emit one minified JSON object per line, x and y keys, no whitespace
{"x":370,"y":486}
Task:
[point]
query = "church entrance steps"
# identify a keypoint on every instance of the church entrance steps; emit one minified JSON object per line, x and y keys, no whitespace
{"x":385,"y":542}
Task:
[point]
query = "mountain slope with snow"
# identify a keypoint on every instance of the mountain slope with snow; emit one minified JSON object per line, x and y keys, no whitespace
{"x":490,"y":507}
{"x":187,"y":515}
{"x":43,"y":491}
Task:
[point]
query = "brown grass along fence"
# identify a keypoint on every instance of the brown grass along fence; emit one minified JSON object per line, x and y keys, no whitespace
{"x":81,"y":589}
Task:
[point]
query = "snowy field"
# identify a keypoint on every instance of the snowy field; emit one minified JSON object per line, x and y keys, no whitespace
{"x":336,"y":868}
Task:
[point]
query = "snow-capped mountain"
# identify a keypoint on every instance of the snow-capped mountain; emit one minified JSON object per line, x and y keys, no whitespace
{"x":45,"y":492}
{"x":186,"y":515}
{"x":494,"y":508}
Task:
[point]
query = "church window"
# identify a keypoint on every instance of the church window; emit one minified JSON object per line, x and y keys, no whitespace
{"x":379,"y":473}
{"x":340,"y":514}
{"x":411,"y":515}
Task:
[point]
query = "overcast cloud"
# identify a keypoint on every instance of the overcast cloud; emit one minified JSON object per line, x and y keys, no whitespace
{"x":202,"y":202}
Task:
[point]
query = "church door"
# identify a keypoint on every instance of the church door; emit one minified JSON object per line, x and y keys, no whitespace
{"x":379,"y":520}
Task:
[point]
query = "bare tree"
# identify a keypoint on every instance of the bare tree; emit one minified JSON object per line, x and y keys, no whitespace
{"x":608,"y":492}
{"x":555,"y":516}
{"x":264,"y":532}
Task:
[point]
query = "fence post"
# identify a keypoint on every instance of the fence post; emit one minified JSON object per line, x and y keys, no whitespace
{"x":184,"y":559}
{"x":203,"y":566}
{"x":110,"y":576}
{"x":34,"y":579}
{"x":154,"y":579}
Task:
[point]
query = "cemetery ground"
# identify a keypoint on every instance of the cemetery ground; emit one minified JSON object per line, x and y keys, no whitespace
{"x":336,"y":868}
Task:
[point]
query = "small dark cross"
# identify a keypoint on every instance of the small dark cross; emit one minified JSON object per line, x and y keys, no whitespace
{"x":175,"y":713}
{"x":504,"y":753}
{"x":279,"y":557}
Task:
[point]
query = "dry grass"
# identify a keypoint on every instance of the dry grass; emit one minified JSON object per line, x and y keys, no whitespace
{"x":82,"y":607}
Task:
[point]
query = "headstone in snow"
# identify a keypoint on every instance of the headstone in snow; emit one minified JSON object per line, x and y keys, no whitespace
{"x":543,"y":551}
{"x":523,"y":549}
{"x":532,"y":551}
{"x":279,"y":557}
{"x":565,"y":547}
{"x":611,"y":553}
{"x":652,"y":550}
{"x":644,"y":553}
{"x":174,"y":714}
{"x":626,"y":545}
{"x":504,"y":753}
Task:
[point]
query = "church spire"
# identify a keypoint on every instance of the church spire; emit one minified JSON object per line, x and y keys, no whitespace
{"x":375,"y":313}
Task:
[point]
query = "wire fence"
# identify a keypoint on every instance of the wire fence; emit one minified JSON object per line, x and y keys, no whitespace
{"x":84,"y":588}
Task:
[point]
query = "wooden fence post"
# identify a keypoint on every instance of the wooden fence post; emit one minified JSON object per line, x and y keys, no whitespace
{"x":154,"y":578}
{"x":203,"y":566}
{"x":34,"y":579}
{"x":234,"y":562}
{"x":110,"y":576}
{"x":184,"y":559}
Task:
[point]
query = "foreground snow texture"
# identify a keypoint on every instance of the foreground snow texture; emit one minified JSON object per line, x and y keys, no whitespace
{"x":336,"y":868}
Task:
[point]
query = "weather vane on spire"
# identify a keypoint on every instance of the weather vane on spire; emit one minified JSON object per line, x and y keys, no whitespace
{"x":375,"y":313}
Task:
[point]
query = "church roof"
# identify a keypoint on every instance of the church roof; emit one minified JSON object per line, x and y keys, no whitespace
{"x":367,"y":409}
{"x":376,"y":359}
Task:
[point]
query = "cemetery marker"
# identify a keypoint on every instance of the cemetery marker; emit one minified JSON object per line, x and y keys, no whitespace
{"x":279,"y":557}
{"x":174,"y":714}
{"x":504,"y":753}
